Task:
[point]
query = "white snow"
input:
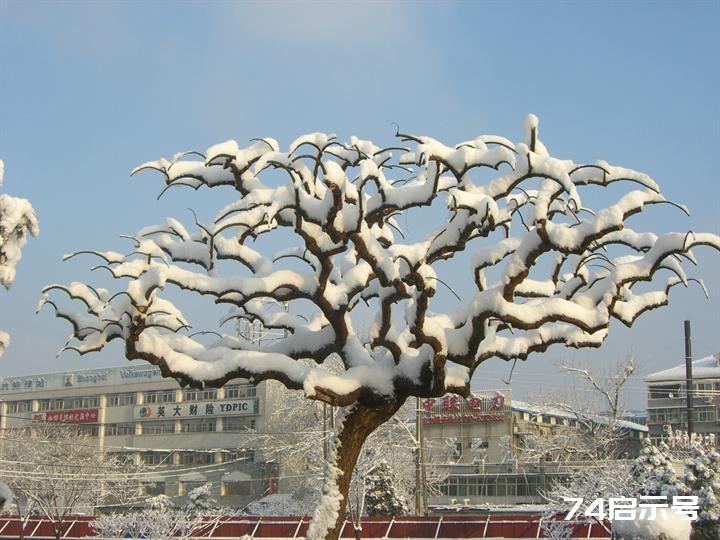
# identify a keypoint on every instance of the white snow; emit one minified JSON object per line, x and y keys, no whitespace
{"x":671,"y":524}
{"x":6,"y":496}
{"x":704,"y":368}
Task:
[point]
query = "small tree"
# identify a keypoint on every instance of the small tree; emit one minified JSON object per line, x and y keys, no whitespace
{"x":17,"y":219}
{"x":594,"y":407}
{"x":382,"y":497}
{"x":544,"y":269}
{"x":702,"y":478}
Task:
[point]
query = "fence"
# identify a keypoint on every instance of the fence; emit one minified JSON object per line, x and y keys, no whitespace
{"x":490,"y":525}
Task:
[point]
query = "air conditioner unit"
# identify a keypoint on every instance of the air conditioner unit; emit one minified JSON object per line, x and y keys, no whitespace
{"x":708,"y":399}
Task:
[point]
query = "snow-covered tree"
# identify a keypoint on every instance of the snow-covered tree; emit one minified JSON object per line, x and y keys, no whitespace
{"x":162,"y":520}
{"x":156,"y":523}
{"x":382,"y":497}
{"x":593,"y":406}
{"x":653,"y":468}
{"x":545,"y":269}
{"x":651,"y":474}
{"x":17,"y":219}
{"x":55,"y":471}
{"x":200,"y":499}
{"x":702,"y":479}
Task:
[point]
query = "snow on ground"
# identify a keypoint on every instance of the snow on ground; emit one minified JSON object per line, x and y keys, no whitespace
{"x":672,"y":525}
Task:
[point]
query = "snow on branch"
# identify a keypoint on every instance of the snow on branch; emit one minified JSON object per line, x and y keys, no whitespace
{"x":17,"y":220}
{"x":342,"y":201}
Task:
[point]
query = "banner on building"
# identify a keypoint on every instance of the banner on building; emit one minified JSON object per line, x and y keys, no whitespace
{"x":76,"y":416}
{"x":479,"y":406}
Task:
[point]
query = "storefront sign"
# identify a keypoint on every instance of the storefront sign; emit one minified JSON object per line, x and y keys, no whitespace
{"x":464,"y":418}
{"x":77,"y":416}
{"x":482,"y":406}
{"x":236,"y":407}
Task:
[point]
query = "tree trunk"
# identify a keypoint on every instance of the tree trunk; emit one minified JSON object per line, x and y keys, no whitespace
{"x":354,"y":428}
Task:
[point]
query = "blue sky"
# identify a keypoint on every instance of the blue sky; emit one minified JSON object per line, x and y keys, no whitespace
{"x":89,"y":90}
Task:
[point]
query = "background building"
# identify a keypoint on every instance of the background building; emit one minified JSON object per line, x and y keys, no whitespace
{"x":188,"y":436}
{"x":484,"y":432}
{"x":667,"y":407}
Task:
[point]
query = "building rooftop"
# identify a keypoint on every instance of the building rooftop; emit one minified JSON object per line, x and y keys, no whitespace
{"x":523,"y":406}
{"x":704,"y":368}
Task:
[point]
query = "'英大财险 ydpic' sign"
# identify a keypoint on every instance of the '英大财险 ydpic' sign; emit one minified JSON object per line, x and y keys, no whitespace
{"x":76,"y":416}
{"x":203,"y":408}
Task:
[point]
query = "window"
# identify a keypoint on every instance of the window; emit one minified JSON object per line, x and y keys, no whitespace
{"x":152,"y":488}
{"x":156,"y":458}
{"x":119,"y":429}
{"x":703,"y":389}
{"x":19,"y":406}
{"x":52,"y":404}
{"x":160,"y":396}
{"x":241,"y":454}
{"x":187,"y":487}
{"x":120,"y":400}
{"x":489,"y":486}
{"x":239,"y":391}
{"x":705,"y":415}
{"x":88,"y":429}
{"x":665,"y":391}
{"x":238,"y":424}
{"x":666,"y":416}
{"x":208,"y":394}
{"x":457,"y":451}
{"x":85,"y":402}
{"x":197,"y":458}
{"x":477,"y":443}
{"x":236,"y":488}
{"x":157,"y":427}
{"x":123,"y":458}
{"x":198,"y":425}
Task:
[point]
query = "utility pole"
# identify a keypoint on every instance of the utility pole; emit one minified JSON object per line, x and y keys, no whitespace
{"x":689,"y":380}
{"x":325,"y":441}
{"x":420,"y":480}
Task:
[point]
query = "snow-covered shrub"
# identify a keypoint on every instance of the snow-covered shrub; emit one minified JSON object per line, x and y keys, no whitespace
{"x":160,"y":502}
{"x":702,"y":479}
{"x":200,"y":499}
{"x":653,"y":468}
